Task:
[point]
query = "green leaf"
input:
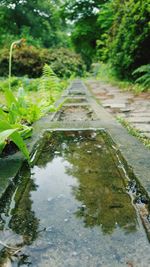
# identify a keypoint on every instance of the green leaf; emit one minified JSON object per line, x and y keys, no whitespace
{"x":15,"y":137}
{"x":3,"y":136}
{"x":26,"y":132}
{"x":10,"y":98}
{"x":3,"y":115}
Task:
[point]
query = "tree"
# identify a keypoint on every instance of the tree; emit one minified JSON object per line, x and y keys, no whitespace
{"x":38,"y":20}
{"x":83,"y":15}
{"x":105,"y":19}
{"x":129,"y":36}
{"x":124,"y":37}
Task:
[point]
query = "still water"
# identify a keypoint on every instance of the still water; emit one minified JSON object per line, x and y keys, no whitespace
{"x":72,"y":208}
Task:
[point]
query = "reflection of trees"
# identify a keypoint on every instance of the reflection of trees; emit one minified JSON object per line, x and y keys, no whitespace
{"x":23,"y":220}
{"x":53,"y":143}
{"x":50,"y":143}
{"x":101,"y":187}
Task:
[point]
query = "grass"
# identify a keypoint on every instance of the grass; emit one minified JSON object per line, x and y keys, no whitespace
{"x":133,"y":131}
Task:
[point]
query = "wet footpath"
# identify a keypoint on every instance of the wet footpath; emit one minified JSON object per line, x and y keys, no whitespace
{"x":135,"y":109}
{"x":79,"y":203}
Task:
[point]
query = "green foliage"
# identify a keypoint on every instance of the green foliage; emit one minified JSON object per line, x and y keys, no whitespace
{"x":20,"y":112}
{"x":84,"y":38}
{"x":106,"y":73}
{"x":17,"y":115}
{"x":10,"y":126}
{"x":29,"y":60}
{"x":49,"y":80}
{"x":105,"y":20}
{"x":18,"y":82}
{"x":124,"y":39}
{"x":144,"y":75}
{"x":130,"y":36}
{"x":4,"y":135}
{"x":85,"y":32}
{"x":38,"y":21}
{"x":65,"y":62}
{"x":7,"y":131}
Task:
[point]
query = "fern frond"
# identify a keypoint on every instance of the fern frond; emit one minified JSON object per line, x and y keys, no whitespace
{"x":49,"y":80}
{"x":141,"y":69}
{"x":144,"y":73}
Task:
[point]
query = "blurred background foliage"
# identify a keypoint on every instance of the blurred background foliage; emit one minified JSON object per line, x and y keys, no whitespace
{"x":29,"y":60}
{"x":115,"y":32}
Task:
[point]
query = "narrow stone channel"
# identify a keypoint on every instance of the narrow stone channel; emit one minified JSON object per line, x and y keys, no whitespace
{"x":76,"y":205}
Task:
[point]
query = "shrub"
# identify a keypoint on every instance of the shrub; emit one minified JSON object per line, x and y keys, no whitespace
{"x":65,"y":62}
{"x":130,"y":37}
{"x":29,"y":60}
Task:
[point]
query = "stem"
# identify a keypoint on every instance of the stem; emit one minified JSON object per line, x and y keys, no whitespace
{"x":10,"y":58}
{"x":10,"y":64}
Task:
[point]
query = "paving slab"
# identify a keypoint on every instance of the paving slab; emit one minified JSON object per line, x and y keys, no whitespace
{"x":134,"y":108}
{"x":142,"y":127}
{"x":139,"y":119}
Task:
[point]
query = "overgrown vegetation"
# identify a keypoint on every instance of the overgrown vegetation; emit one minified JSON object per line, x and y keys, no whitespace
{"x":113,"y":31}
{"x":125,"y":37}
{"x":106,"y":73}
{"x":17,"y":114}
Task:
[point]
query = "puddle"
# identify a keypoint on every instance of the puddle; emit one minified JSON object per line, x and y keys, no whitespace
{"x":72,"y":208}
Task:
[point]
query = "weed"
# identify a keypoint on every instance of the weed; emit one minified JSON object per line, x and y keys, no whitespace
{"x":135,"y":132}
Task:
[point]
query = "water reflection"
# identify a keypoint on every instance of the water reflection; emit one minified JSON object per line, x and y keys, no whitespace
{"x":23,"y":220}
{"x":100,"y":191}
{"x":102,"y":187}
{"x":18,"y":217}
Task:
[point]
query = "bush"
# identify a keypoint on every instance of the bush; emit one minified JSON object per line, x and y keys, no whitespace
{"x":130,"y":40}
{"x":29,"y":60}
{"x":65,"y":62}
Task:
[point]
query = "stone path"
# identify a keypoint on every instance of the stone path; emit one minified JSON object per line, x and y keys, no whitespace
{"x":134,"y":108}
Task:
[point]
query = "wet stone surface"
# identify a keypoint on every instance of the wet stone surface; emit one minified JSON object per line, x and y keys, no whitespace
{"x":72,"y":208}
{"x":134,"y":108}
